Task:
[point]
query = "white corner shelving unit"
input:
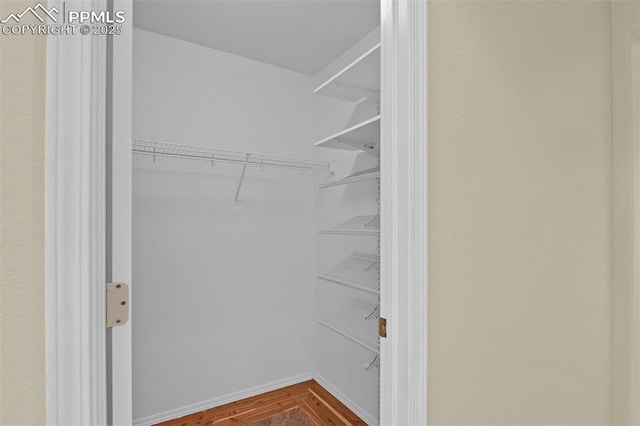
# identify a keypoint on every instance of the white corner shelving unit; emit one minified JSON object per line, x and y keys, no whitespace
{"x":358,"y":271}
{"x":361,"y":176}
{"x":358,"y":322}
{"x":353,"y":311}
{"x":359,"y":226}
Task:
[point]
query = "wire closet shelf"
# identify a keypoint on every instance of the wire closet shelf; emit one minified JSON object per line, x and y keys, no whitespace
{"x":162,"y":149}
{"x":356,"y":321}
{"x":361,"y":176}
{"x":363,"y":226}
{"x":358,"y":271}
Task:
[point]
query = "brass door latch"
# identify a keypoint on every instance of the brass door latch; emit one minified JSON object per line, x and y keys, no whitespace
{"x":382,"y":327}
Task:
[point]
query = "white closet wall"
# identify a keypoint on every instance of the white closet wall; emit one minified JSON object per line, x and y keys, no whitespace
{"x":227,"y":303}
{"x":224,"y":293}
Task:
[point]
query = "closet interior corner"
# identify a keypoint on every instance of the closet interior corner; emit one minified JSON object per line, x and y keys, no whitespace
{"x":256,"y":202}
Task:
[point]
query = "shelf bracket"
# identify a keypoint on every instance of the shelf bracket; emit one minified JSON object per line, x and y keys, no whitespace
{"x":244,"y":169}
{"x":371,"y":95}
{"x":373,"y":265}
{"x":372,"y":364}
{"x":371,"y":148}
{"x":372,"y":313}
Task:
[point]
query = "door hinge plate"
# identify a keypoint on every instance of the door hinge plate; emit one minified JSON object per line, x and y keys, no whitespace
{"x":382,"y":327}
{"x":117,"y":309}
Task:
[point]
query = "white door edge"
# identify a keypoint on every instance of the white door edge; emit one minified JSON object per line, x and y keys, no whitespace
{"x":404,"y":195}
{"x":120,"y":365}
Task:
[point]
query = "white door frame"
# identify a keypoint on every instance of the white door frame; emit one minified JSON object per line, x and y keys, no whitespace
{"x":75,"y":226}
{"x":403,"y":210}
{"x":75,"y":235}
{"x":120,"y":210}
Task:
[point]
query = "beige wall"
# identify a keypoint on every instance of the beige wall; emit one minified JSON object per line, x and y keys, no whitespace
{"x":625,"y":34}
{"x":22,"y":94}
{"x":520,"y":212}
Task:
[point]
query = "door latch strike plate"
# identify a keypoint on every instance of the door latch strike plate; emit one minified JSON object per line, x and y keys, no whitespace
{"x":382,"y":327}
{"x":117,"y":300}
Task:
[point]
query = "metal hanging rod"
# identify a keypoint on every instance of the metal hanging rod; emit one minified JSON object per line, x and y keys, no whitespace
{"x":213,"y":155}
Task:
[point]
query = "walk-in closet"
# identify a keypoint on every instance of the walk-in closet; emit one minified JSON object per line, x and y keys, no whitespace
{"x":256,"y":202}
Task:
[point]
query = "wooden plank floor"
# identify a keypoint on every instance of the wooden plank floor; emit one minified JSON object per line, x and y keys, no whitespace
{"x":313,"y":400}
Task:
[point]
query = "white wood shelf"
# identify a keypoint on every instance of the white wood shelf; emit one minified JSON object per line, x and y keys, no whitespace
{"x":350,"y":322}
{"x":358,"y":271}
{"x":362,"y":226}
{"x":361,"y":176}
{"x":364,"y":136}
{"x":359,"y":79}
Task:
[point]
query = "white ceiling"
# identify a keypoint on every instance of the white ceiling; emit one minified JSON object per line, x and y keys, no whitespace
{"x":301,"y":35}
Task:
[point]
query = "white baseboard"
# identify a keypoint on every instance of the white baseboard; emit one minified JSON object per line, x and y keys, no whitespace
{"x":370,"y":420}
{"x":221,"y":400}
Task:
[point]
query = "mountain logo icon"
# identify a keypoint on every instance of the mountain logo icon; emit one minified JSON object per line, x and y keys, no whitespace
{"x":44,"y":13}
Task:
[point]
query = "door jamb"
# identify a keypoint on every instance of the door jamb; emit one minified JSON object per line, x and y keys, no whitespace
{"x":404,"y":196}
{"x":119,"y":366}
